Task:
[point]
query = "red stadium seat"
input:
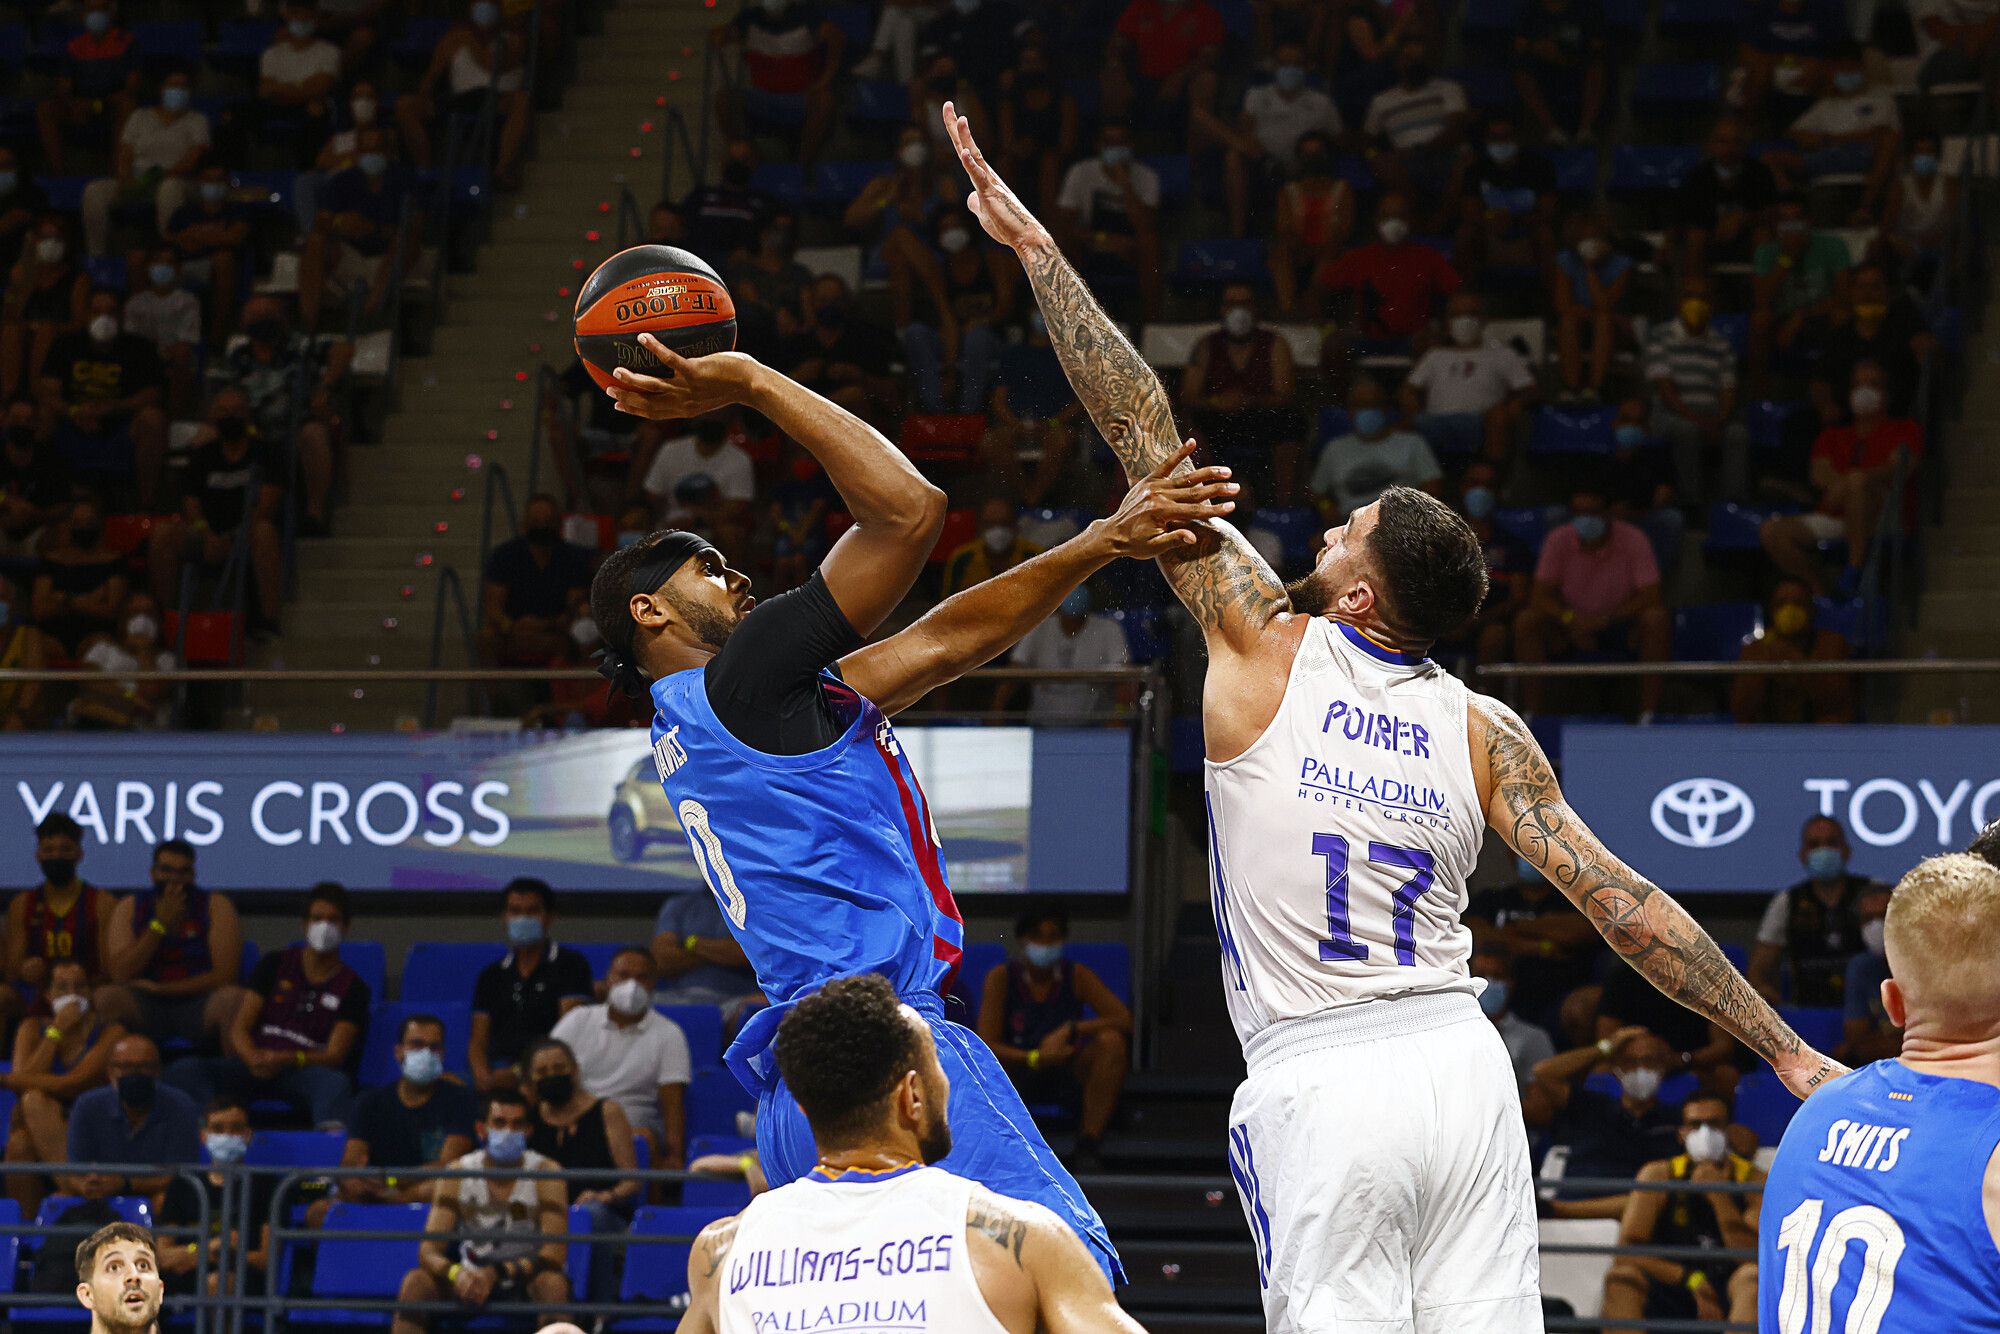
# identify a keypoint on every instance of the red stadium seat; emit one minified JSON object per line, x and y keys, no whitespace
{"x":598,"y":530}
{"x":211,"y":637}
{"x":960,"y":527}
{"x":943,"y":439}
{"x":126,"y":533}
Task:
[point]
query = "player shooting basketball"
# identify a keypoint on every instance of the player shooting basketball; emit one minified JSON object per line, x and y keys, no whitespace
{"x":772,"y":739}
{"x":1348,"y":780}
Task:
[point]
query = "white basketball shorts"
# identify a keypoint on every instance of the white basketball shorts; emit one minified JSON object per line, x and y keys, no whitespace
{"x":1383,"y":1165}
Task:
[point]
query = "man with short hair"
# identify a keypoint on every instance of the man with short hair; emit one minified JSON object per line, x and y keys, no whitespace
{"x":1241,"y":389}
{"x":1692,"y":371}
{"x":1815,"y":925}
{"x":1416,"y":124}
{"x":168,"y":316}
{"x":1375,"y":455}
{"x":159,"y":150}
{"x":296,"y":76}
{"x":1465,"y":398}
{"x":354,"y":238}
{"x":1801,"y":278}
{"x":1725,"y":201}
{"x":1071,"y":640}
{"x":865,"y":1071}
{"x":792,"y":54}
{"x":103,"y":387}
{"x":134,"y":1118}
{"x":533,"y":586}
{"x":1866,"y":1031}
{"x":1597,"y":587}
{"x":1559,"y":65}
{"x":631,"y":1053}
{"x":1395,"y":287}
{"x":61,"y":918}
{"x":1261,"y":146}
{"x":211,"y":233}
{"x":1109,"y":205}
{"x":118,"y":1279}
{"x":519,"y":997}
{"x":1609,"y":1135}
{"x":421,"y":1120}
{"x":176,"y":950}
{"x":1000,"y":547}
{"x":231,"y":491}
{"x":699,"y":962}
{"x":705,"y":450}
{"x":97,"y":85}
{"x":226,"y":1135}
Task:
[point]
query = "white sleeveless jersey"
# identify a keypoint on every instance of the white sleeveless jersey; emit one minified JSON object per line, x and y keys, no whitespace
{"x":863,"y":1253}
{"x":1340,"y":842}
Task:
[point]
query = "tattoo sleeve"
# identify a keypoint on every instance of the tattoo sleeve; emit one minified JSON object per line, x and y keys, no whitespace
{"x":1640,"y":921}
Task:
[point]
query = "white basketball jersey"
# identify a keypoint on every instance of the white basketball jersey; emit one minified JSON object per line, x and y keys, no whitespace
{"x":1340,"y":842}
{"x":863,"y":1253}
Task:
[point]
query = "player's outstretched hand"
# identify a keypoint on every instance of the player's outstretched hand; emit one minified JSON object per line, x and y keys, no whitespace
{"x":1809,"y":1071}
{"x":688,"y":387}
{"x":999,"y":210}
{"x":1158,"y":513}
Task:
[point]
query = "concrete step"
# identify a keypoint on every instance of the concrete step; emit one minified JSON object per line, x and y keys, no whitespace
{"x":1968,"y":504}
{"x":1963,"y":540}
{"x":1965,"y":570}
{"x":320,"y":706}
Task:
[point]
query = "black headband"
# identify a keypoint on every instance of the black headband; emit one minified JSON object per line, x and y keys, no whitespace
{"x":667,"y":554}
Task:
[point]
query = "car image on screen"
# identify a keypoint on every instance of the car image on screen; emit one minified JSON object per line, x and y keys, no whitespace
{"x":640,"y":815}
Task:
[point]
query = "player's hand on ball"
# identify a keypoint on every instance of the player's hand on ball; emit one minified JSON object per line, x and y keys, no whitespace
{"x":1157,"y":514}
{"x":999,"y":210}
{"x":688,"y":386}
{"x":1809,"y":1072}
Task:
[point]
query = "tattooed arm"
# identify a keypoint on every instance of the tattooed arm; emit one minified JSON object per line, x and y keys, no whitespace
{"x":1232,"y":593}
{"x":705,"y":1262}
{"x":1641,"y":923}
{"x":1037,"y":1274}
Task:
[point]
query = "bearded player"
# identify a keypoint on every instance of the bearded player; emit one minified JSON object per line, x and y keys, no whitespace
{"x":773,"y":743}
{"x":118,"y":1279}
{"x":1377,"y":1140}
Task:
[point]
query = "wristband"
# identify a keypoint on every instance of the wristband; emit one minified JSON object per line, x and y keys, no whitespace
{"x":1548,"y":948}
{"x":52,"y":1033}
{"x":302,"y":1059}
{"x":1696,"y":1281}
{"x":689,"y":943}
{"x":193,"y":1247}
{"x":451,"y":1274}
{"x":746,"y":1161}
{"x":157,"y":926}
{"x":1035,"y":1058}
{"x":391,"y":1183}
{"x":1604,"y":1046}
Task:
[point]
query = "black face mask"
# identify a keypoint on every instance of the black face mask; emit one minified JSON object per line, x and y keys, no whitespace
{"x":136,"y":1091}
{"x":1416,"y":75}
{"x":711,"y":433}
{"x":266,"y":331}
{"x":543,"y":537}
{"x":232,"y":429}
{"x":57,"y":870}
{"x":85,"y":534}
{"x":833,"y":316}
{"x":736,"y":172}
{"x":555,"y":1090}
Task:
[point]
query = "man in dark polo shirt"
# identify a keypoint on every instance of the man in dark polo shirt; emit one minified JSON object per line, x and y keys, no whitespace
{"x":133,"y":1118}
{"x":421,"y":1120}
{"x":296,"y":1031}
{"x":518,"y":999}
{"x":1609,"y":1135}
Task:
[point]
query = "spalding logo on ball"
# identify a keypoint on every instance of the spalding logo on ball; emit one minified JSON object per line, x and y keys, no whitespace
{"x":657,"y":289}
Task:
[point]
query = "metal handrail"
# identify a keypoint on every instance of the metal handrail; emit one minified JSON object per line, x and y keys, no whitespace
{"x":1848,"y":667}
{"x":451,"y":589}
{"x":674,"y":130}
{"x":497,"y":483}
{"x":545,"y":380}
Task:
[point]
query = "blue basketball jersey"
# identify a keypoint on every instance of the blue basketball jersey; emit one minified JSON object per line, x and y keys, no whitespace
{"x":826,"y":864}
{"x":1873,"y":1217}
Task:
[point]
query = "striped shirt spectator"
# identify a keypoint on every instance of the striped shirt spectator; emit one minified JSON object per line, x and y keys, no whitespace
{"x":1414,"y":117}
{"x":784,"y":49}
{"x":1701,"y":365}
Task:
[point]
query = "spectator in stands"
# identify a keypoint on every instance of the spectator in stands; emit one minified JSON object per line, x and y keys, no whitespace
{"x":1785,"y":44}
{"x":21,"y":203}
{"x":34,"y":486}
{"x":1552,"y":949}
{"x":629,"y":1052}
{"x":1161,"y":64}
{"x":1852,"y":467}
{"x":294,"y":382}
{"x":1035,"y":415}
{"x":1262,"y":146}
{"x":357,"y":240}
{"x":1650,"y":1286}
{"x":1365,"y":43}
{"x":1801,"y":278}
{"x":1691,"y":370}
{"x":1638,"y":479}
{"x":1609,"y":1135}
{"x":1315,"y":215}
{"x":727,"y":217}
{"x":57,"y":1058}
{"x":1919,"y":214}
{"x":770,"y":286}
{"x":1527,"y":1044}
{"x":1038,"y":125}
{"x":168,"y":316}
{"x":1416,"y":126}
{"x":795,"y":515}
{"x":1560,"y":66}
{"x":227,"y":1135}
{"x":471,"y":61}
{"x":894,"y":210}
{"x":535,"y":585}
{"x":1813,"y":927}
{"x":1724,"y":204}
{"x":296,"y":77}
{"x":342,"y":148}
{"x":102,"y":388}
{"x":601,"y":454}
{"x":210,"y":235}
{"x":1071,"y":640}
{"x":706,"y":451}
{"x":1307,"y":23}
{"x":698,"y":960}
{"x":1875,"y":323}
{"x":159,"y":150}
{"x":296,"y":1032}
{"x":1591,"y":282}
{"x":1509,"y":562}
{"x":120,"y":704}
{"x":176,"y":952}
{"x":585,"y":1133}
{"x":134,"y":1117}
{"x":892,"y":52}
{"x":1790,"y":634}
{"x":1397,"y":287}
{"x":841,"y":353}
{"x":791,"y":55}
{"x":1851,"y":130}
{"x":1245,"y":519}
{"x":1698,"y":1046}
{"x":979,"y":38}
{"x":520,"y":996}
{"x":230,"y":495}
{"x":1242,"y":392}
{"x":1032,"y":1014}
{"x":1356,"y":468}
{"x":97,"y":85}
{"x":998,"y":548}
{"x":80,"y":584}
{"x":1504,"y":198}
{"x":1868,"y":1033}
{"x":47,"y":295}
{"x":1468,"y":398}
{"x":59,"y":920}
{"x":476,"y":1272}
{"x":1107,"y":217}
{"x":21,"y":646}
{"x":953,"y":348}
{"x":1597,"y":589}
{"x":421,"y":1120}
{"x":1953,"y":40}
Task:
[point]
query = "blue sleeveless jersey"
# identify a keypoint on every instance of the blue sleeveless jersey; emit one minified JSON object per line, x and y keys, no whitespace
{"x":1873,"y":1218}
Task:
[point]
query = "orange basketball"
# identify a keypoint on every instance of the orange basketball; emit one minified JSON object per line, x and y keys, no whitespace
{"x":657,"y":289}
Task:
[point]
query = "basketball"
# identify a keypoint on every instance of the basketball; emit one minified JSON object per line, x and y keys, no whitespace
{"x":657,"y":289}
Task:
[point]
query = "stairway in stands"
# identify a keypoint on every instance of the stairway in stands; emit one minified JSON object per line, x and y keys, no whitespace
{"x":500,"y":323}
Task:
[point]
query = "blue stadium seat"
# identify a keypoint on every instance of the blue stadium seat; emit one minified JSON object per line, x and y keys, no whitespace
{"x":1823,"y":1026}
{"x":1767,"y":419}
{"x":10,"y":1243}
{"x":878,"y":102}
{"x":1573,"y":430}
{"x":1489,"y":18}
{"x":713,"y":1100}
{"x":378,"y":1049}
{"x":362,"y":1266}
{"x":657,"y":1257}
{"x":1735,"y":327}
{"x":1176,"y":176}
{"x":1334,"y":422}
{"x":578,"y":1260}
{"x":131,"y":1208}
{"x":725,"y":1193}
{"x":107,"y":270}
{"x":1841,"y":617}
{"x":1298,"y":530}
{"x":1238,"y":17}
{"x":1675,"y":87}
{"x":65,"y":192}
{"x":1219,"y":262}
{"x":1645,"y":168}
{"x":783,"y":181}
{"x":1764,"y":1104}
{"x":700,"y":1146}
{"x":1576,"y":168}
{"x":443,"y":971}
{"x":835,"y":185}
{"x":421,"y":34}
{"x":1145,"y":637}
{"x":294,"y":1148}
{"x":1737,"y":955}
{"x":856,"y":23}
{"x":171,"y":45}
{"x":1715,"y":632}
{"x":13,"y":48}
{"x":240,"y":43}
{"x":1529,"y":524}
{"x":702,"y":1026}
{"x":1733,"y":527}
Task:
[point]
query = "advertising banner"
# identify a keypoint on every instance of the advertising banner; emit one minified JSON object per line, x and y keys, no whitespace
{"x":1709,"y":808}
{"x":1018,"y":809}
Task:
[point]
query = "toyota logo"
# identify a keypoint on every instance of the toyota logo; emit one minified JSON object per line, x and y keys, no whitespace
{"x":1703,"y":813}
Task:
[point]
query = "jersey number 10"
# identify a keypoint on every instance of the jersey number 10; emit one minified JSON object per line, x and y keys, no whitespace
{"x":1803,"y":1295}
{"x":1340,"y":943}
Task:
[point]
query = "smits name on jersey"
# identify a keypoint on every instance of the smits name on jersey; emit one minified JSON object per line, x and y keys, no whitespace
{"x":1871,"y":1148}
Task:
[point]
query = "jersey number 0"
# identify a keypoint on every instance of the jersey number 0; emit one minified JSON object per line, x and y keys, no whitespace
{"x":707,"y":850}
{"x":1803,"y":1295}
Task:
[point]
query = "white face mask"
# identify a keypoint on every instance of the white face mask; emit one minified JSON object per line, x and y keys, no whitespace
{"x":1866,"y":400}
{"x":78,"y":1002}
{"x":955,"y":240}
{"x":363,"y":109}
{"x":998,"y":538}
{"x":1639,"y":1085}
{"x":141,"y":626}
{"x":629,"y":997}
{"x":49,"y":250}
{"x":1592,"y":249}
{"x":104,"y":328}
{"x":584,"y":631}
{"x":1237,"y":322}
{"x":323,"y":937}
{"x":1873,"y":937}
{"x":1392,"y":230}
{"x":1465,"y":330}
{"x":914,"y":155}
{"x":1707,"y":1144}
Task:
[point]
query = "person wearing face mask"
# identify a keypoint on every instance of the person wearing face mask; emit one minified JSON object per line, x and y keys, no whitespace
{"x":1560,"y":66}
{"x":1505,"y":199}
{"x":119,"y":703}
{"x":475,"y":59}
{"x":1918,"y":217}
{"x":1878,"y":322}
{"x":1853,"y":129}
{"x":96,"y":87}
{"x":167,"y":315}
{"x":494,"y":1267}
{"x":226,"y":1135}
{"x":1597,"y":589}
{"x":533,"y":586}
{"x":586,"y":1134}
{"x":1057,"y":1028}
{"x":1416,"y":125}
{"x":104,"y":388}
{"x":1161,"y":64}
{"x":1038,"y":118}
{"x":229,"y":483}
{"x":792,"y":53}
{"x":1801,"y":280}
{"x":341,"y":150}
{"x":1691,"y":370}
{"x":58,"y":1056}
{"x":520,"y":996}
{"x":770,"y":287}
{"x":269,"y":365}
{"x":1072,"y":639}
{"x":1811,"y":929}
{"x":1550,"y":953}
{"x":133,"y":1117}
{"x":1852,"y":467}
{"x":1609,"y":1134}
{"x":631,"y":1053}
{"x":59,"y":920}
{"x":1527,"y":1044}
{"x":295,"y":1034}
{"x":159,"y":150}
{"x":1395,"y":288}
{"x":1789,"y":634}
{"x":81,"y":586}
{"x":1590,"y":285}
{"x":699,"y":962}
{"x":1867,"y":1032}
{"x":296,"y":75}
{"x":47,"y":295}
{"x":1647,"y":1285}
{"x":1241,"y":389}
{"x":705,"y":450}
{"x":1356,"y":468}
{"x":1261,"y":148}
{"x":353,"y":239}
{"x":998,"y":548}
{"x":210,"y":233}
{"x":1725,"y":201}
{"x":1107,"y":211}
{"x":969,"y":286}
{"x":1783,"y":55}
{"x":725,"y":218}
{"x":1469,"y":396}
{"x":422,"y":1119}
{"x":1315,"y":216}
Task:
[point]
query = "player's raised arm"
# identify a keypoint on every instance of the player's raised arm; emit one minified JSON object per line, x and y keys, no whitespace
{"x":1222,"y":580}
{"x":977,"y":625}
{"x":897,"y":514}
{"x":1639,"y":920}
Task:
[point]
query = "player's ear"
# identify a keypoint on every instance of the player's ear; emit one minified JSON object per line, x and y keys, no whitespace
{"x":649,"y":610}
{"x":1358,"y":598}
{"x":910,"y":1100}
{"x":1893,"y":1004}
{"x":83,"y":1295}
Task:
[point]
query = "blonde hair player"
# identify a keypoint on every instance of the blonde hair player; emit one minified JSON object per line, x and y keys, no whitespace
{"x":118,"y":1279}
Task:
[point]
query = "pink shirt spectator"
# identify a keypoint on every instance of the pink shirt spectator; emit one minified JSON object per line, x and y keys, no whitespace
{"x":1594,"y":582}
